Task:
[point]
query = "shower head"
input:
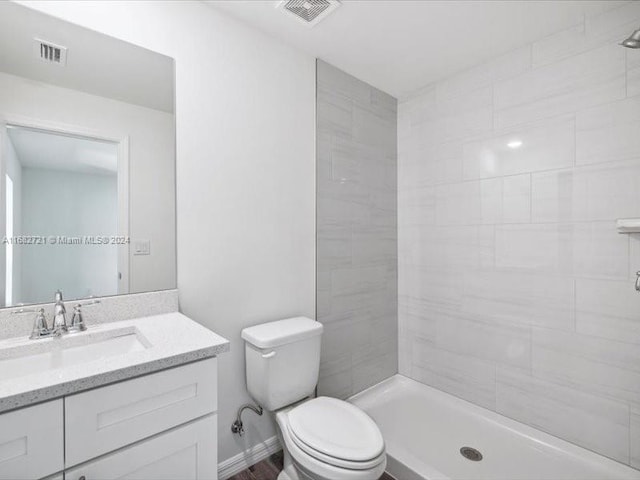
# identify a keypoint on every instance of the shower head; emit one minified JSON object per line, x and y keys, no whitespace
{"x":633,"y":41}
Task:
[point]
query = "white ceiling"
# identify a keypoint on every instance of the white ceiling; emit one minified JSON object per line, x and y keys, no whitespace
{"x":96,"y":63}
{"x":400,"y":46}
{"x":38,"y":149}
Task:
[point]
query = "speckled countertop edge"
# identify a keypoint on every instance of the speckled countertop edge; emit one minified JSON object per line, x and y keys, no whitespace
{"x":175,"y":340}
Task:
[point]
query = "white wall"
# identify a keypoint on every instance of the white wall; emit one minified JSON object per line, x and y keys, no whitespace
{"x":56,"y":202}
{"x":515,"y":290}
{"x":151,"y":162}
{"x":245,"y":174}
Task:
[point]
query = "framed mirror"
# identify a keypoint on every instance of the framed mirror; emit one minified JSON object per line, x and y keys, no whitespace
{"x":87,"y":162}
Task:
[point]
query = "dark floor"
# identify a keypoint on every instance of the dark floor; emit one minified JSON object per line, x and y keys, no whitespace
{"x":268,"y":470}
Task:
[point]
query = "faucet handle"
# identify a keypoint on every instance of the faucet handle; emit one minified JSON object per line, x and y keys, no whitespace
{"x":77,"y":322}
{"x":40,"y":328}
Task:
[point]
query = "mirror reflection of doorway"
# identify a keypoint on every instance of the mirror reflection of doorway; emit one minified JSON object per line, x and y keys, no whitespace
{"x":61,"y":192}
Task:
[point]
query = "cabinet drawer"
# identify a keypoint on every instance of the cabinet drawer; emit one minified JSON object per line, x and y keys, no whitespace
{"x":187,"y":453}
{"x":31,"y":442}
{"x":107,"y":418}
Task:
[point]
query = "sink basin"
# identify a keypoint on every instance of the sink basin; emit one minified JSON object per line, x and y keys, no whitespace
{"x":37,"y":356}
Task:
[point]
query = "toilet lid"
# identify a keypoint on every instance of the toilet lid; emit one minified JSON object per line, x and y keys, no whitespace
{"x":337,"y":429}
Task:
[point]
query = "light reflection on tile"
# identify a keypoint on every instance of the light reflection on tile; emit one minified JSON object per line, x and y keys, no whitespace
{"x":530,"y":148}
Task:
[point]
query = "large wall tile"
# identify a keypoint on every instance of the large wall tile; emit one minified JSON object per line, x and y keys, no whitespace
{"x":460,"y":247}
{"x":506,"y":66}
{"x":608,"y":27}
{"x":422,"y":325}
{"x":428,"y":286}
{"x":441,"y":119}
{"x":600,"y":251}
{"x":357,"y":247}
{"x":373,"y":363}
{"x":417,"y":206}
{"x":599,"y":192}
{"x":458,"y":204}
{"x":593,"y":422}
{"x":592,"y":78}
{"x":405,"y":363}
{"x":335,"y":376}
{"x":608,"y":132}
{"x":496,"y":341}
{"x":608,"y":308}
{"x":633,"y":82}
{"x":520,"y":298}
{"x":539,"y":146}
{"x":468,"y":378}
{"x":633,"y":72}
{"x":535,"y":247}
{"x":592,"y":364}
{"x":464,"y":115}
{"x":559,"y":46}
{"x":635,"y":438}
{"x":516,"y":199}
{"x":333,"y":246}
{"x":634,"y":255}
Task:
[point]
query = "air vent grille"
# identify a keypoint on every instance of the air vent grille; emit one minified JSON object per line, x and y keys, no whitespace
{"x":310,"y":12}
{"x":50,"y":52}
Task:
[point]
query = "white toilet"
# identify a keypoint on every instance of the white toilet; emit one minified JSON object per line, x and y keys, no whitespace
{"x":323,"y":438}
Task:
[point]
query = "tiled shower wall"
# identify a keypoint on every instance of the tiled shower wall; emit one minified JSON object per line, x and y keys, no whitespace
{"x":515,"y":290}
{"x":356,"y":232}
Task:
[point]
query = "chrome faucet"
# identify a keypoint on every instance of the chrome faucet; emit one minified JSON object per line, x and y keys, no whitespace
{"x":59,"y":325}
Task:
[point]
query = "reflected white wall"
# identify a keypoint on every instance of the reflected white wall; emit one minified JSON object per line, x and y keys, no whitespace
{"x":68,"y":204}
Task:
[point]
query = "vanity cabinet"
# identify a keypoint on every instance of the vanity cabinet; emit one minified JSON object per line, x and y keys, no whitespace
{"x":107,"y":418}
{"x":157,"y":426}
{"x":31,"y":443}
{"x":186,"y":453}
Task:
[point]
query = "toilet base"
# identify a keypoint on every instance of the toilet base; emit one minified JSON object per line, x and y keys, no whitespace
{"x":289,"y":472}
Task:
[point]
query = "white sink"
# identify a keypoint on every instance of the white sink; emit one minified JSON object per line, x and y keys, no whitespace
{"x":37,"y":356}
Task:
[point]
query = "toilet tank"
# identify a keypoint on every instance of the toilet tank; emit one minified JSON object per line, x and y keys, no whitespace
{"x":282,"y":361}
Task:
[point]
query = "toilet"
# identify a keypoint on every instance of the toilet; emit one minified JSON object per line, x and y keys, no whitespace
{"x":323,"y":438}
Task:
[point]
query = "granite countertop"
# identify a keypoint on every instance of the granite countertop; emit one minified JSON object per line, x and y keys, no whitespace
{"x":164,"y":341}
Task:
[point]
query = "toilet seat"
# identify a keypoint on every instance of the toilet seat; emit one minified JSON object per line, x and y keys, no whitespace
{"x":337,"y":433}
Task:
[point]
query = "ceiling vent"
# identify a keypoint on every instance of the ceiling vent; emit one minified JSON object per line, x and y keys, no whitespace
{"x":309,"y":12}
{"x":50,"y":52}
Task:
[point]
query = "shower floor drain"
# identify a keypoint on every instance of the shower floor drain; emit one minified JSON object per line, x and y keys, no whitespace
{"x":471,"y":454}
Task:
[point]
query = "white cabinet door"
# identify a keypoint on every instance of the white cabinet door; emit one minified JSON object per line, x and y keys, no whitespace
{"x":31,"y":442}
{"x":186,"y":453}
{"x":108,"y":418}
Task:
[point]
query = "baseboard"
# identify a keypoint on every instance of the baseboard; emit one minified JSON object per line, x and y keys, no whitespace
{"x":244,"y":460}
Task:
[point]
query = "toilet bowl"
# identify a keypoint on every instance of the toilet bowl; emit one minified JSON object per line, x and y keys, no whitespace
{"x":329,"y":439}
{"x":323,"y":438}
